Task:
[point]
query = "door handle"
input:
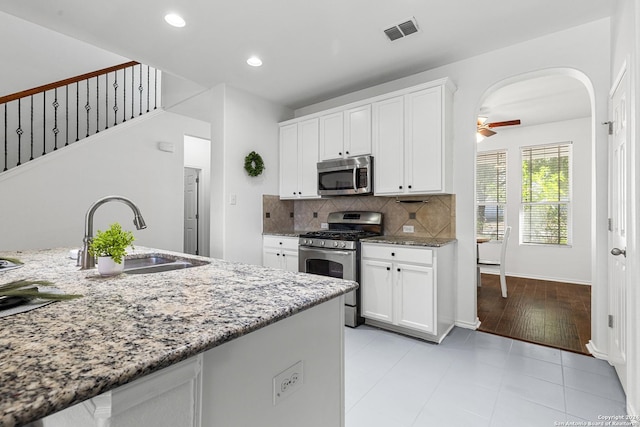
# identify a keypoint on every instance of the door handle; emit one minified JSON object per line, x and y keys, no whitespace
{"x":616,"y":252}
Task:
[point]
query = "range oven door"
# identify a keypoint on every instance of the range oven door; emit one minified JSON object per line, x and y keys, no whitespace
{"x":334,"y":263}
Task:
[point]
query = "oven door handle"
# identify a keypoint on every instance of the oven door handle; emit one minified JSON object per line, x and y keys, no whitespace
{"x":332,"y":251}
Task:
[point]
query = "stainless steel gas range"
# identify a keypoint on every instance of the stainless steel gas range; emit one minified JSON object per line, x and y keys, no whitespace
{"x":336,"y":252}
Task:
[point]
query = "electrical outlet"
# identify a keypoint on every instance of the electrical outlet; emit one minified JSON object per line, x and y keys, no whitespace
{"x":407,"y":229}
{"x":324,"y":226}
{"x":287,"y":382}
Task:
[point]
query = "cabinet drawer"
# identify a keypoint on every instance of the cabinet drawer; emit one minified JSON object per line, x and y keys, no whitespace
{"x":282,"y":242}
{"x":398,"y":253}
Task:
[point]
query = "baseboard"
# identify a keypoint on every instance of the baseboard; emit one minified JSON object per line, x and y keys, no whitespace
{"x":537,"y":277}
{"x":595,"y":352}
{"x":468,"y":325}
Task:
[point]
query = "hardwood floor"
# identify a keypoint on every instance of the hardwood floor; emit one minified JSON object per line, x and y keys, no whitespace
{"x":549,"y":313}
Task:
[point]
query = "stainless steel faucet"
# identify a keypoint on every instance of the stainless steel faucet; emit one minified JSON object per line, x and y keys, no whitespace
{"x":89,"y":261}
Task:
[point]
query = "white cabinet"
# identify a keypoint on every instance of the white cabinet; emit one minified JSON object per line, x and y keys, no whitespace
{"x":169,"y":397}
{"x":280,"y":252}
{"x":346,"y":133}
{"x":298,"y":158}
{"x":411,"y":142}
{"x":408,"y":289}
{"x":332,"y":136}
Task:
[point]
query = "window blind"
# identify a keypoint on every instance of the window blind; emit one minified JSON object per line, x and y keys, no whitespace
{"x":491,"y":193}
{"x":546,"y":194}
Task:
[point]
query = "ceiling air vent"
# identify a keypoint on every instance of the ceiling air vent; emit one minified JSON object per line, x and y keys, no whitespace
{"x":404,"y":29}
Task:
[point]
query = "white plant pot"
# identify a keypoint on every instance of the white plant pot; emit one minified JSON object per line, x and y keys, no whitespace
{"x":108,"y":267}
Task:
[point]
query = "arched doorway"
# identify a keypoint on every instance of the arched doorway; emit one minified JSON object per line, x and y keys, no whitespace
{"x":538,"y":139}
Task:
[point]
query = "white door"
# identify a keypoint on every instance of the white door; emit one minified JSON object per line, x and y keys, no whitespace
{"x":618,"y":167}
{"x":191,"y":181}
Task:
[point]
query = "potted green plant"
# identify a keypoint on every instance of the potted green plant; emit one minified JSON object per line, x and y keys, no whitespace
{"x":110,"y":247}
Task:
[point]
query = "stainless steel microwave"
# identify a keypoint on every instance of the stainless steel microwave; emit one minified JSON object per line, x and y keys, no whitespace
{"x":343,"y":177}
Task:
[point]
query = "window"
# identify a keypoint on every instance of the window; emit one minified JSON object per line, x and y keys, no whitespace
{"x":546,"y":195}
{"x":491,"y":193}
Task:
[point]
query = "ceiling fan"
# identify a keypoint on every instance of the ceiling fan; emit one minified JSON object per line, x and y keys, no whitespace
{"x":484,"y":129}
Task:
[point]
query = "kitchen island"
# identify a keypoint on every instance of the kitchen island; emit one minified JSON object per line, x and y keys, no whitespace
{"x":236,"y":326}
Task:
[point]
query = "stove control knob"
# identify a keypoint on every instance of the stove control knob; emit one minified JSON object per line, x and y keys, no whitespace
{"x":322,"y":243}
{"x":343,"y":245}
{"x":335,"y":244}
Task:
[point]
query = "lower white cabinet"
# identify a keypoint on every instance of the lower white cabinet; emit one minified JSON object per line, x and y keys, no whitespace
{"x":408,"y":289}
{"x":170,"y":397}
{"x":280,"y":252}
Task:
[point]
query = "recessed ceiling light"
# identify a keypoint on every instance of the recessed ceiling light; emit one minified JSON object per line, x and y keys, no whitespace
{"x":175,"y":20}
{"x":254,"y":61}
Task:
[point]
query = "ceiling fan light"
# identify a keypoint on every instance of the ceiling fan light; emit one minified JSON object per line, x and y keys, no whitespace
{"x":481,"y":120}
{"x":485,"y":132}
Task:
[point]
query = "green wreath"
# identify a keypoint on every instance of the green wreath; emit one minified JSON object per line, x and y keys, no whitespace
{"x":253,"y":164}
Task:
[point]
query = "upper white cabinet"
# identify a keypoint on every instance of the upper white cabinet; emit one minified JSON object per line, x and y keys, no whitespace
{"x":298,"y":158}
{"x":407,"y":131}
{"x":346,"y":133}
{"x":332,"y":136}
{"x":411,"y":142}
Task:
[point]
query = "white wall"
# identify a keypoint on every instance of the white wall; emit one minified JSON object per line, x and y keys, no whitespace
{"x":242,"y":123}
{"x":45,"y":201}
{"x":37,"y":56}
{"x":567,"y":264}
{"x":197,"y":154}
{"x":585,"y":48}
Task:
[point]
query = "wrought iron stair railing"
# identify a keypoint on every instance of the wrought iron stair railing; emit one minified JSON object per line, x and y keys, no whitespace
{"x":44,"y":119}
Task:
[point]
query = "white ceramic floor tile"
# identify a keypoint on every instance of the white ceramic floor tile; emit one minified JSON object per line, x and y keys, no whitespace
{"x":589,"y":406}
{"x":586,"y":363}
{"x":536,"y":368}
{"x":471,"y":379}
{"x":536,"y":351}
{"x":601,"y":385}
{"x":462,"y":395}
{"x":363,"y":416}
{"x":475,"y":373}
{"x":534,"y":390}
{"x":484,"y":355}
{"x":398,"y":398}
{"x":493,"y":342}
{"x":511,"y":411}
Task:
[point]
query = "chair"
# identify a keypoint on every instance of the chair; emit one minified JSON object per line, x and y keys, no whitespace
{"x":485,"y":263}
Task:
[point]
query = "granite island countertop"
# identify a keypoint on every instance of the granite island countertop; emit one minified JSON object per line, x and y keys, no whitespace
{"x":129,"y":326}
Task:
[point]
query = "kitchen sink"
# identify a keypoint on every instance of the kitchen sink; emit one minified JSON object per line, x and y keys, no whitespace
{"x":154,"y":263}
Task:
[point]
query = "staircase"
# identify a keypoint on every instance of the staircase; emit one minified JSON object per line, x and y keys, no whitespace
{"x":41,"y":120}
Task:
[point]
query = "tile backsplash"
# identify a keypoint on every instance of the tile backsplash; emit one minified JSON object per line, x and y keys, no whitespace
{"x":430,"y":216}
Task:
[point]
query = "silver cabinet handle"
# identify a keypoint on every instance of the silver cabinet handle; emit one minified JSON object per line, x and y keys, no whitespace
{"x":616,"y":252}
